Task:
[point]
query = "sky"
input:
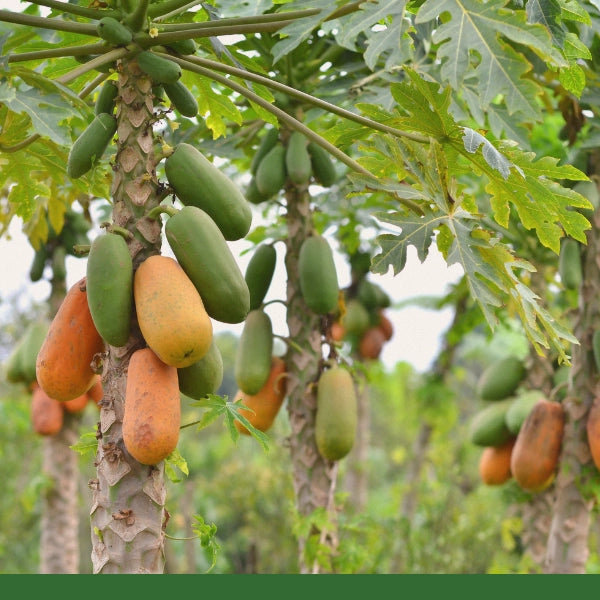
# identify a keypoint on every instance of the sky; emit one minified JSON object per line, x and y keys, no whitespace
{"x":417,"y":331}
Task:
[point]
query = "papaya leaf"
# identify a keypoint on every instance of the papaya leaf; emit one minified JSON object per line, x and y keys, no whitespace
{"x":87,"y":444}
{"x":207,"y":535}
{"x":175,"y":462}
{"x":216,"y":108}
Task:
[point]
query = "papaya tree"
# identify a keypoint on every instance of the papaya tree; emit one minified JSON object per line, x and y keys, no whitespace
{"x":436,"y":99}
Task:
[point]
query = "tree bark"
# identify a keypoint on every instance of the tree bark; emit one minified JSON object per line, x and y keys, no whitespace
{"x":314,"y":477}
{"x":127,"y":513}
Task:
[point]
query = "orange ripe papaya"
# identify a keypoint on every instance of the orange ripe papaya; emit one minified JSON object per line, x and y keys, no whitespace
{"x":371,"y":343}
{"x":64,"y":362}
{"x":337,"y":331}
{"x":96,"y":392}
{"x":77,"y":404}
{"x":170,"y":312}
{"x":152,"y":414}
{"x":386,"y":326}
{"x":47,"y":415}
{"x":537,"y":449}
{"x":593,"y":431}
{"x":494,"y":463}
{"x":267,"y":402}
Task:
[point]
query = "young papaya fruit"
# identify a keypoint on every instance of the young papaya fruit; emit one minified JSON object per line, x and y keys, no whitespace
{"x":252,"y":194}
{"x":265,"y":404}
{"x":59,"y":265}
{"x":197,"y":182}
{"x":110,"y":287}
{"x":113,"y":31}
{"x":160,"y":69}
{"x":259,"y":273}
{"x":336,"y":417}
{"x":536,"y":452}
{"x":569,"y":264}
{"x":254,"y":352}
{"x":317,"y":275}
{"x":152,"y":415}
{"x":90,"y":146}
{"x":204,"y":376}
{"x":204,"y":255}
{"x":64,"y":363}
{"x":494,"y":463}
{"x":322,"y":166}
{"x":170,"y":312}
{"x":297,"y":159}
{"x":501,"y":378}
{"x":47,"y":414}
{"x":270,"y":173}
{"x":181,"y":98}
{"x":267,"y":142}
{"x":13,"y":366}
{"x":107,"y":98}
{"x":520,"y":408}
{"x":593,"y":431}
{"x":488,"y":425}
{"x":38,"y":264}
{"x":31,"y":342}
{"x":355,"y":320}
{"x":185,"y":47}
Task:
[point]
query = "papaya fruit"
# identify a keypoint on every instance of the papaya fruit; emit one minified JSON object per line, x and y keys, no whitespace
{"x":252,"y":194}
{"x":266,"y":403}
{"x":501,"y":378}
{"x":297,"y":159}
{"x":355,"y":320}
{"x":152,"y":414}
{"x":488,"y":426}
{"x":204,"y":376}
{"x":96,"y":392}
{"x":386,"y":326}
{"x":371,"y":343}
{"x":271,"y":174}
{"x":593,"y":431}
{"x":368,"y":294}
{"x":254,"y":352}
{"x":520,"y":408}
{"x":31,"y":342}
{"x":181,"y":98}
{"x":536,"y":452}
{"x":13,"y":367}
{"x":89,"y":147}
{"x":197,"y":182}
{"x":267,"y":142}
{"x":38,"y":264}
{"x":170,"y":312}
{"x":107,"y":98}
{"x":569,"y":264}
{"x":109,"y":274}
{"x":59,"y":265}
{"x":113,"y":31}
{"x":204,"y":255}
{"x":64,"y":362}
{"x":337,"y":331}
{"x":76,"y":405}
{"x":47,"y":414}
{"x":185,"y":47}
{"x":259,"y":273}
{"x":596,"y":349}
{"x":336,"y":416}
{"x":494,"y":463}
{"x":160,"y":69}
{"x":322,"y":166}
{"x":317,"y":275}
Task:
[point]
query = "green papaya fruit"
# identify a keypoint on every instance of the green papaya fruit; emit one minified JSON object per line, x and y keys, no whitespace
{"x":488,"y":426}
{"x":38,"y":264}
{"x":368,"y":294}
{"x":13,"y":367}
{"x":297,"y":159}
{"x":204,"y":255}
{"x":336,"y":417}
{"x":160,"y":69}
{"x":31,"y":342}
{"x":113,"y":32}
{"x":356,"y":319}
{"x":267,"y":142}
{"x":107,"y":98}
{"x":253,"y":354}
{"x":59,"y":265}
{"x":184,"y":47}
{"x":89,"y":147}
{"x":202,"y":377}
{"x":197,"y":182}
{"x":520,"y":408}
{"x":259,"y":273}
{"x":501,"y":378}
{"x":569,"y":264}
{"x":109,"y":274}
{"x":317,"y":275}
{"x":252,"y":193}
{"x":322,"y":166}
{"x":270,"y":173}
{"x":181,"y":98}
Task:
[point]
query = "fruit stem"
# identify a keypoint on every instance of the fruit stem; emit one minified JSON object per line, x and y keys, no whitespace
{"x":81,"y":249}
{"x":125,"y":233}
{"x":160,"y":209}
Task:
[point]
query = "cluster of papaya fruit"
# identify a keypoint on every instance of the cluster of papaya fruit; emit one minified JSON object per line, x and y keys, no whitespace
{"x":47,"y":414}
{"x":520,"y":430}
{"x":298,"y":160}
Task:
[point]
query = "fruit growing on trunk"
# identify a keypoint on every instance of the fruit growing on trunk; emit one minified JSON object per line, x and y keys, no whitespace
{"x":494,"y":463}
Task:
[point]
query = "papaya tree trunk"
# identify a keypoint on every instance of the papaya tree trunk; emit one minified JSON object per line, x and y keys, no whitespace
{"x":59,"y":534}
{"x":128,"y":498}
{"x":314,"y":477}
{"x":567,"y":550}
